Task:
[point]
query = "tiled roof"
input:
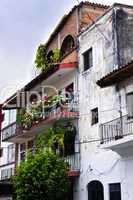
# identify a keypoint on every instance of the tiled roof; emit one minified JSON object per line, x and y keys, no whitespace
{"x":64,"y":19}
{"x":117,"y":75}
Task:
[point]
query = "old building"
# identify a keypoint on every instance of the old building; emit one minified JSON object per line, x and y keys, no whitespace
{"x":106,"y":104}
{"x":60,"y":77}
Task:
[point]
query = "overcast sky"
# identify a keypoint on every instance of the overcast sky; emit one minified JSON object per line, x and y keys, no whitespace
{"x":23,"y":25}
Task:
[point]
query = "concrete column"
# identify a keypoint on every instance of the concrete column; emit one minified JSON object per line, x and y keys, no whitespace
{"x":1,"y":120}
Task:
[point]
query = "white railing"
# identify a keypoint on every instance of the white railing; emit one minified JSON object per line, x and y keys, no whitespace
{"x":73,"y":161}
{"x":9,"y":131}
{"x":7,"y":173}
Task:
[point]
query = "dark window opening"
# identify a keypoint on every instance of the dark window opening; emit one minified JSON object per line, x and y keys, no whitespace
{"x":69,"y":140}
{"x":94,"y":117}
{"x":67,"y":45}
{"x":31,"y":146}
{"x":1,"y":152}
{"x":50,"y":55}
{"x":69,"y":93}
{"x":129,"y":98}
{"x":88,"y":59}
{"x":115,"y":191}
{"x":22,"y":151}
{"x":95,"y":191}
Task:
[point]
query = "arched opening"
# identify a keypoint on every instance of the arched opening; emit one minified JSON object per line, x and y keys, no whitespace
{"x":95,"y":191}
{"x":50,"y":55}
{"x":67,"y":45}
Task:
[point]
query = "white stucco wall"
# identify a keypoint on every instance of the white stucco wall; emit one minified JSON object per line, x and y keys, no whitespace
{"x":97,"y":163}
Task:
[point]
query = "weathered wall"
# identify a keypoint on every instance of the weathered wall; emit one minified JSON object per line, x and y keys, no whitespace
{"x":97,"y":163}
{"x":88,"y":14}
{"x":124,"y":29}
{"x":79,"y":18}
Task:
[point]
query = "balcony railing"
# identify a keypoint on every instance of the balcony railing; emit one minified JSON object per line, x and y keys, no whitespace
{"x":116,"y":129}
{"x":48,"y":117}
{"x":9,"y":131}
{"x":73,"y":161}
{"x":7,"y":173}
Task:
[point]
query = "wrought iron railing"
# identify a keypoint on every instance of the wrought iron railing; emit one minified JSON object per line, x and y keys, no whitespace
{"x":9,"y":131}
{"x":73,"y":161}
{"x":7,"y":173}
{"x":47,"y":115}
{"x":116,"y":129}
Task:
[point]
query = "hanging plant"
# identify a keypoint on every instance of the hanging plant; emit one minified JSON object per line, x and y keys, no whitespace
{"x":26,"y":120}
{"x":36,"y":112}
{"x":41,"y":61}
{"x":53,"y":56}
{"x":50,"y":101}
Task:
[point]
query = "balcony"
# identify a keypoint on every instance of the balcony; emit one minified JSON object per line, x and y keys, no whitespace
{"x":50,"y":76}
{"x":74,"y":164}
{"x":18,"y":133}
{"x":6,"y":173}
{"x":117,"y":135}
{"x":9,"y":131}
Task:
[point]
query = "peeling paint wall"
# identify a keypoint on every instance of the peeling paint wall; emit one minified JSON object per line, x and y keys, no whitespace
{"x":97,"y":163}
{"x":124,"y":29}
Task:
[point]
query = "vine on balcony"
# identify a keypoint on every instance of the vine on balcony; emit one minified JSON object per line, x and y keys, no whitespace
{"x":44,"y":59}
{"x":59,"y":137}
{"x":34,"y":114}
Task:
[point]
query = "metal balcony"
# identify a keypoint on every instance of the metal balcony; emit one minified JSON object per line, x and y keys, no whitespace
{"x":74,"y":164}
{"x":18,"y":134}
{"x":117,"y":134}
{"x":7,"y":173}
{"x":9,"y":131}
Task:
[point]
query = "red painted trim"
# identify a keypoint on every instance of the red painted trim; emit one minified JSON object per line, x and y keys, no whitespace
{"x":74,"y":173}
{"x":68,"y":65}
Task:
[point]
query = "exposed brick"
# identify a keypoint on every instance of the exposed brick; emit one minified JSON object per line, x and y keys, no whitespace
{"x":85,"y":13}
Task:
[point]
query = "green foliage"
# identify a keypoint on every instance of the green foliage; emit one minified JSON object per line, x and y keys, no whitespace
{"x":53,"y":135}
{"x":42,"y":61}
{"x":56,"y":137}
{"x":36,"y":111}
{"x":54,"y":58}
{"x":43,"y":176}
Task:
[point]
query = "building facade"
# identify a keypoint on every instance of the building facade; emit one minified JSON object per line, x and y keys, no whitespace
{"x":62,"y":78}
{"x":95,"y":69}
{"x":105,"y":121}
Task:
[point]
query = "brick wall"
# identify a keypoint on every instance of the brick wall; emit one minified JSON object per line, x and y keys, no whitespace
{"x":89,"y":12}
{"x":84,"y":14}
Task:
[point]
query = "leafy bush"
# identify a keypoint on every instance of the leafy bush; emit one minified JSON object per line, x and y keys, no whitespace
{"x":43,"y":176}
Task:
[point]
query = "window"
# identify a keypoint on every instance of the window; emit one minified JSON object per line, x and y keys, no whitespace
{"x":88,"y":59}
{"x":31,"y":146}
{"x":67,"y":45}
{"x":94,"y":116}
{"x":7,"y":173}
{"x":1,"y":152}
{"x":115,"y":191}
{"x":22,"y":151}
{"x":95,"y":191}
{"x":129,"y":98}
{"x":11,"y":153}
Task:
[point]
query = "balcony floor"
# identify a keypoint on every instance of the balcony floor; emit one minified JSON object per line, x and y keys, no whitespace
{"x":24,"y":135}
{"x":123,"y":146}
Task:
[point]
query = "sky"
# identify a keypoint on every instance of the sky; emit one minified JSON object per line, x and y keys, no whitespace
{"x":23,"y":26}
